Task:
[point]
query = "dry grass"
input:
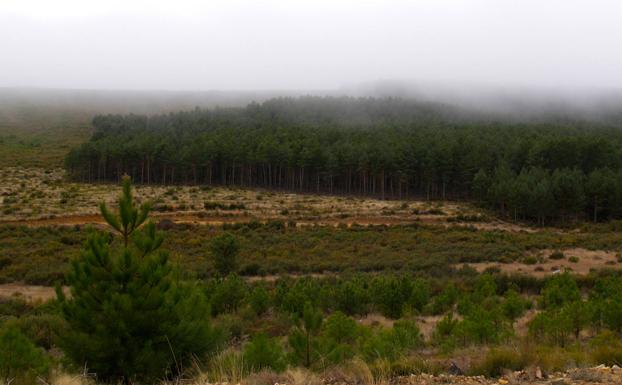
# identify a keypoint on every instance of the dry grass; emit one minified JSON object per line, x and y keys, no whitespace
{"x":355,"y":372}
{"x":584,"y":262}
{"x":227,"y":366}
{"x":70,"y":379}
{"x":43,"y":197}
{"x":30,"y":293}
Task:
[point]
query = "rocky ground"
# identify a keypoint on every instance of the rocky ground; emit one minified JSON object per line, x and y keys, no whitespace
{"x":583,"y":376}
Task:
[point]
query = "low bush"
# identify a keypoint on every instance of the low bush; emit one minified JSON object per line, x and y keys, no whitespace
{"x":227,"y":294}
{"x":224,"y":250}
{"x":20,"y":360}
{"x":263,"y":352}
{"x":259,"y":300}
{"x":556,"y":255}
{"x":222,"y":206}
{"x":497,"y":361}
{"x":606,"y":349}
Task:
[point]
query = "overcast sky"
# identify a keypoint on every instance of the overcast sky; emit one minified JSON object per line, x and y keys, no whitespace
{"x":315,"y":44}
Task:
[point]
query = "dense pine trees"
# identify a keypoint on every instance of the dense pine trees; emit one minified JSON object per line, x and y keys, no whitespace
{"x":554,"y":169}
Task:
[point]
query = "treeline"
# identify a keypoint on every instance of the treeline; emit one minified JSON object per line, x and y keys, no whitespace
{"x":540,"y":195}
{"x":388,"y":148}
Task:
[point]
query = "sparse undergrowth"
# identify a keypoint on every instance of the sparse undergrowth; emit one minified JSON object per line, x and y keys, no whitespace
{"x":39,"y":255}
{"x":30,"y":193}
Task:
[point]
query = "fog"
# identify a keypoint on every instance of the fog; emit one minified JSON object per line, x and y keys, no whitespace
{"x":565,"y":45}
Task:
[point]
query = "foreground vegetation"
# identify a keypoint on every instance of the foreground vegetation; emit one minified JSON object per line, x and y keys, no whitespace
{"x":326,"y":323}
{"x":134,"y":316}
{"x":40,"y":255}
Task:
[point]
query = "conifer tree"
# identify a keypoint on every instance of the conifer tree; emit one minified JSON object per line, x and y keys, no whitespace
{"x":20,"y":360}
{"x":302,"y":337}
{"x":225,"y":249}
{"x":131,"y":318}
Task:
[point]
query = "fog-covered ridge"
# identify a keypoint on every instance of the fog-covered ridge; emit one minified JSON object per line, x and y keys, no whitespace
{"x":472,"y":101}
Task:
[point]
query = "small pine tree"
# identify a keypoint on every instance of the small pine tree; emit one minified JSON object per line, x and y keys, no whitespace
{"x":559,"y":290}
{"x":338,"y":337}
{"x":263,"y":352}
{"x":259,"y":300}
{"x":130,"y":317}
{"x":302,"y":337}
{"x":20,"y":359}
{"x":225,"y":249}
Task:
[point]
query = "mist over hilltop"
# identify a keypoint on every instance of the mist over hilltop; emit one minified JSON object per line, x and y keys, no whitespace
{"x":483,"y":102}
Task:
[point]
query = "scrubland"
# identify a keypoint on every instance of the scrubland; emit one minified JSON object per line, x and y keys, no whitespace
{"x":407,"y":289}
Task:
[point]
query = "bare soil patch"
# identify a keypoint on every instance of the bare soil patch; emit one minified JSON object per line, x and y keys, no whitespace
{"x":576,"y":260}
{"x":29,"y":293}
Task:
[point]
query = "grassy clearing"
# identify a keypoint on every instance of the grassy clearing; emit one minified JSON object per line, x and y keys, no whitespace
{"x":27,"y":194}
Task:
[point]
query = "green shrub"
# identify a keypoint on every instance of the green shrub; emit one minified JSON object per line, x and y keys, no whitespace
{"x":392,"y":343}
{"x":338,"y":338}
{"x":263,"y":352}
{"x":530,"y":260}
{"x":483,"y":326}
{"x":227,"y":294}
{"x":514,"y":305}
{"x":556,"y":255}
{"x":43,"y":329}
{"x":20,"y":359}
{"x":378,"y":345}
{"x":221,"y":206}
{"x":390,"y":294}
{"x":445,"y":328}
{"x":606,"y":349}
{"x":14,"y":307}
{"x":607,"y":355}
{"x":560,"y":289}
{"x":420,"y":295}
{"x":292,"y":295}
{"x":251,"y":269}
{"x":304,"y":346}
{"x":232,"y":326}
{"x":225,"y":249}
{"x":557,"y":325}
{"x":445,"y":300}
{"x":351,"y":296}
{"x":259,"y":300}
{"x":406,"y":334}
{"x":497,"y":361}
{"x":4,"y":262}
